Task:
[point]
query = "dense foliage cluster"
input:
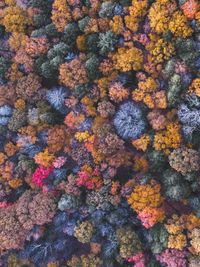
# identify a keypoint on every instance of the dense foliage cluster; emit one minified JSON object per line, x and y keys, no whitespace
{"x":99,"y":133}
